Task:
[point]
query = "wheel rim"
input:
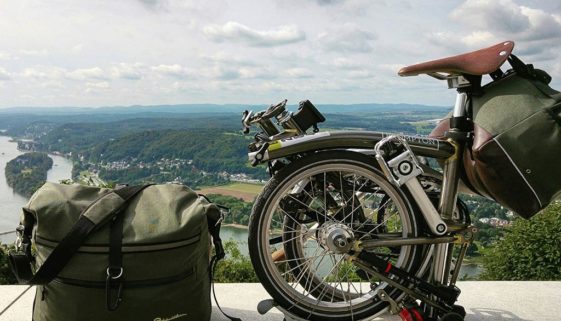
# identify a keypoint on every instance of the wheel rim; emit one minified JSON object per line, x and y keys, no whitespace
{"x":313,"y":274}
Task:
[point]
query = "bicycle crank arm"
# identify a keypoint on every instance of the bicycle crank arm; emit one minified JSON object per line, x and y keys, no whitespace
{"x":413,"y":286}
{"x":411,"y":293}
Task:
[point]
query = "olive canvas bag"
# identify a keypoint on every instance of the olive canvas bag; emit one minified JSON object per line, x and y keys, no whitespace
{"x":135,"y":253}
{"x":516,"y":153}
{"x":514,"y":156}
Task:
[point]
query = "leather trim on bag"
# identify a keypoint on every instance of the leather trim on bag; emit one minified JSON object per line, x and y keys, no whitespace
{"x":481,"y":136}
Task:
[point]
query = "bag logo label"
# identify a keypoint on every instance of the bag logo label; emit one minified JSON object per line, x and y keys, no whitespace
{"x":177,"y":316}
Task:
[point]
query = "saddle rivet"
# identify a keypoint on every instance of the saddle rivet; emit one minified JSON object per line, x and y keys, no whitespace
{"x":528,"y":171}
{"x":502,"y":53}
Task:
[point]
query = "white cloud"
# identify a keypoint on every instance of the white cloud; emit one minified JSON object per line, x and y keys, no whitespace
{"x":87,"y":73}
{"x":479,"y":39}
{"x":348,"y":37}
{"x":43,"y":73}
{"x":6,"y":56}
{"x":543,"y":25}
{"x":98,"y":85}
{"x":299,"y":73}
{"x":346,"y":63}
{"x":130,"y":71}
{"x":556,"y":71}
{"x":256,"y":73}
{"x":500,"y":15}
{"x":225,"y":73}
{"x":33,"y":52}
{"x":237,"y":32}
{"x":360,"y":74}
{"x":175,"y":70}
{"x":390,"y":68}
{"x":507,"y":20}
{"x":275,"y":48}
{"x":329,"y":2}
{"x":4,"y":75}
{"x":228,"y":58}
{"x":77,"y":48}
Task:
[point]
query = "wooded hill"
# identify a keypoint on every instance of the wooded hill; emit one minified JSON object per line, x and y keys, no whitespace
{"x":27,"y":172}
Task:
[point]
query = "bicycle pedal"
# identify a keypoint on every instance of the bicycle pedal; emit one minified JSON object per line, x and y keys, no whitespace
{"x":411,"y":314}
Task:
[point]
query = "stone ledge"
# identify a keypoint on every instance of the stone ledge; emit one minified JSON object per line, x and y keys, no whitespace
{"x":484,"y":301}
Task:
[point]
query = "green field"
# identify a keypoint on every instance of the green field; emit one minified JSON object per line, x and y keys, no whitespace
{"x":244,"y":187}
{"x":245,"y":191}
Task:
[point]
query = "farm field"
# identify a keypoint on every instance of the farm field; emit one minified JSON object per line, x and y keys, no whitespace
{"x":245,"y":191}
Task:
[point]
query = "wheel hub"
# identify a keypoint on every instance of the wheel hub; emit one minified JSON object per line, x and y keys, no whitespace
{"x":337,"y":238}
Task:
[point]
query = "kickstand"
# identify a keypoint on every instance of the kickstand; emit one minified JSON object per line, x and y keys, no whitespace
{"x":266,"y":306}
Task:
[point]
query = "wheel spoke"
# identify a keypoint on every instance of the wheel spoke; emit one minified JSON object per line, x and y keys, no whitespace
{"x":302,"y":219}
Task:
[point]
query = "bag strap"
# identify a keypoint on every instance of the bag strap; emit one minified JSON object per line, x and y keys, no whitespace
{"x":91,"y":218}
{"x":214,"y":225}
{"x":528,"y":70}
{"x":115,"y":270}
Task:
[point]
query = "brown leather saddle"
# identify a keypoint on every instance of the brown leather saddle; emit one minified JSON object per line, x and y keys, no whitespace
{"x":479,"y":62}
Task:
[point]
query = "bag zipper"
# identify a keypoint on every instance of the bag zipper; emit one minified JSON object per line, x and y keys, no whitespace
{"x":132,"y":248}
{"x":127,"y":284}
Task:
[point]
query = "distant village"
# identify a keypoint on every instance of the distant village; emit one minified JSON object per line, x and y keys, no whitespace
{"x":163,"y":164}
{"x":495,"y":221}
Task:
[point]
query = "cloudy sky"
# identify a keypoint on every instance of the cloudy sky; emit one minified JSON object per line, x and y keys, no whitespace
{"x":106,"y":52}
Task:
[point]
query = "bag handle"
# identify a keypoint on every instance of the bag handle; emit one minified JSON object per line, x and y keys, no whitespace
{"x":91,"y":218}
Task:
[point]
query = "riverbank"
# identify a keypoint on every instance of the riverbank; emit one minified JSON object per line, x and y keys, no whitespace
{"x":12,"y":202}
{"x":238,"y":226}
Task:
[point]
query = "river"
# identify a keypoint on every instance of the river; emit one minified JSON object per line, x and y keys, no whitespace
{"x":11,"y":202}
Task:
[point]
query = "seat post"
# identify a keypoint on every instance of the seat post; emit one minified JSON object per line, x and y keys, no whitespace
{"x":457,"y":135}
{"x":460,"y":106}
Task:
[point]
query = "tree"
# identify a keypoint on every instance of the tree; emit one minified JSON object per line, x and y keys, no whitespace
{"x":530,"y":249}
{"x":235,"y":268}
{"x":6,"y":275}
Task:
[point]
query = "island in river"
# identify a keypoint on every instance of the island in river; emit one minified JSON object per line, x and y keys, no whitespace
{"x":27,"y":172}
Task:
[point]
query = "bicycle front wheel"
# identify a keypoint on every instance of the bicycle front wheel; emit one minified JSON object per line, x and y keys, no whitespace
{"x":306,"y":224}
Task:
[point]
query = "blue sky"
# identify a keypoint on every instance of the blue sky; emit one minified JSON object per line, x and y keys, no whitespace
{"x":104,"y":53}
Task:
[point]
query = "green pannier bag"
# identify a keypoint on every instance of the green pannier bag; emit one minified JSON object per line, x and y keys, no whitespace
{"x":515,"y":155}
{"x":134,"y":253}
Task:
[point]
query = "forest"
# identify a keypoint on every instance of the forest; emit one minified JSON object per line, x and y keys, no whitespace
{"x":27,"y":172}
{"x":211,"y":142}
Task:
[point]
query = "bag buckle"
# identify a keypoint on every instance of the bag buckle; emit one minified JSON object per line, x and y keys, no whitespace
{"x":113,"y":281}
{"x":224,"y":211}
{"x":19,"y":238}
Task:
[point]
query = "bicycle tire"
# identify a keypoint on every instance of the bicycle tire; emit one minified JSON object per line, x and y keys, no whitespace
{"x":262,"y":227}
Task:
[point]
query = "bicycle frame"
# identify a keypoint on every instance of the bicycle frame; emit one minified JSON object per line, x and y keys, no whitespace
{"x":439,"y":219}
